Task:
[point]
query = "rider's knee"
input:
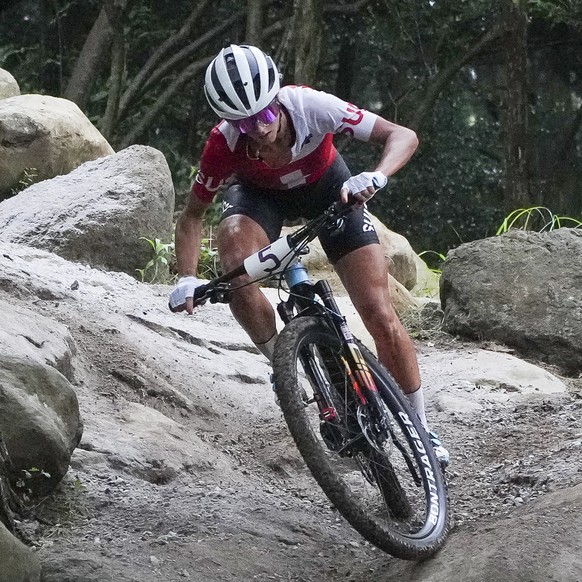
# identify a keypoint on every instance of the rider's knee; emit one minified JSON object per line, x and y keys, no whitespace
{"x":382,"y":320}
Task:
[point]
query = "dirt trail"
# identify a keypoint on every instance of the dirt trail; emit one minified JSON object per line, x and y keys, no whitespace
{"x":186,"y":470}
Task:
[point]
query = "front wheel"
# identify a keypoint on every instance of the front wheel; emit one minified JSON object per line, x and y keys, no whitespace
{"x":376,"y":466}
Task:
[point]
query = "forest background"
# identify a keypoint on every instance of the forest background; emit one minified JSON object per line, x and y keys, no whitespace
{"x":492,"y":87}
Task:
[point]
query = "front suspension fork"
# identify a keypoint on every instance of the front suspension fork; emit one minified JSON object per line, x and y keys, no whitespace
{"x":303,"y":292}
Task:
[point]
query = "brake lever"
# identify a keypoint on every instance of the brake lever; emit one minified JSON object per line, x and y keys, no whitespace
{"x":221,"y":293}
{"x":215,"y":293}
{"x":201,"y":294}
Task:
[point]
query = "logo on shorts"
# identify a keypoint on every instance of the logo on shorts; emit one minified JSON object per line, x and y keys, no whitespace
{"x":226,"y":205}
{"x":368,"y":224}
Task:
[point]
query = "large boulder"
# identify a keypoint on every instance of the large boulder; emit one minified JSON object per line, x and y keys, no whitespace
{"x":42,"y":137}
{"x":8,"y":85}
{"x":538,"y":543}
{"x":523,"y":289}
{"x":402,"y":260}
{"x":39,"y":414}
{"x":17,"y":562}
{"x":98,"y":212}
{"x":40,"y":423}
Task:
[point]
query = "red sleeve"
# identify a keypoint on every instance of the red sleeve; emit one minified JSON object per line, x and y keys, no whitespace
{"x":216,"y":166}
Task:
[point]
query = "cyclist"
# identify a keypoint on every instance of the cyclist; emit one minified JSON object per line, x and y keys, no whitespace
{"x":273,"y":151}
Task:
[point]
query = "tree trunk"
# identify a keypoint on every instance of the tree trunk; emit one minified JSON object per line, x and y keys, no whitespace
{"x":187,"y":75}
{"x":90,"y":63}
{"x":515,"y":118}
{"x":179,"y":82}
{"x":115,"y":18}
{"x":92,"y":60}
{"x":308,"y":39}
{"x":158,"y":62}
{"x":254,"y":22}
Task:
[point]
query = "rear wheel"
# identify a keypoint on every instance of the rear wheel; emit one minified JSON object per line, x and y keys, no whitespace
{"x":375,"y":464}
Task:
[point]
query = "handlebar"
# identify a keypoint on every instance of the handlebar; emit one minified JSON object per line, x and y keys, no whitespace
{"x":217,"y":290}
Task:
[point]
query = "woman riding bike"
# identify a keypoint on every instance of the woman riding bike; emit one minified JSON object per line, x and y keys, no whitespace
{"x":275,"y":148}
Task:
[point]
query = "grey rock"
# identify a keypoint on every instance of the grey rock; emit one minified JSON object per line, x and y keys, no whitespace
{"x":40,"y":422}
{"x":17,"y":562}
{"x":8,"y":85}
{"x":98,"y":212}
{"x":42,"y":137}
{"x":523,"y":289}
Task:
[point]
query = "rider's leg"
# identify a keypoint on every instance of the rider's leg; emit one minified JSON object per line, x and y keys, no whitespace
{"x":365,"y":276}
{"x":238,"y":237}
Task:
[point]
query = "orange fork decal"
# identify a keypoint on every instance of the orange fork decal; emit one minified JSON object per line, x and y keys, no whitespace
{"x":362,"y":375}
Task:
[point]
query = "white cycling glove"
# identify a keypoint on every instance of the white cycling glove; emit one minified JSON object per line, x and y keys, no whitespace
{"x":361,"y":183}
{"x":185,"y":288}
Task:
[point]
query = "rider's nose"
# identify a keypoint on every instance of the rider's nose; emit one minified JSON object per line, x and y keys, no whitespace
{"x":261,"y":127}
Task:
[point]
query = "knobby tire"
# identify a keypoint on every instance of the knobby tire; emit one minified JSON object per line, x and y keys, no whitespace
{"x":380,"y":527}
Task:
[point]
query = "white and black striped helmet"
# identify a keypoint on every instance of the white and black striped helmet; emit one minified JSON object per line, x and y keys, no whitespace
{"x":241,"y":81}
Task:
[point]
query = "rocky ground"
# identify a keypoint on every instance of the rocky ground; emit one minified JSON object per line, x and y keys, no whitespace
{"x":186,"y":471}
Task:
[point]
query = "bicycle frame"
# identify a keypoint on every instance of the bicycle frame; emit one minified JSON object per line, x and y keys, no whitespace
{"x":303,"y":301}
{"x":282,"y":257}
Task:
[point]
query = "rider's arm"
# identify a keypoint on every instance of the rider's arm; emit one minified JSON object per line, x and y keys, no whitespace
{"x":188,"y":240}
{"x":215,"y":164}
{"x":399,"y":144}
{"x":189,"y":236}
{"x":327,"y":113}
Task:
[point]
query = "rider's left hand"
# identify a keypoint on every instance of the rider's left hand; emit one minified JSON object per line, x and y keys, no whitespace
{"x":363,"y":186}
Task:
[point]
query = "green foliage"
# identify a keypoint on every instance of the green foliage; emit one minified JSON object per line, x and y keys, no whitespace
{"x":161,"y":267}
{"x":538,"y":218}
{"x":208,"y":263}
{"x":27,"y":178}
{"x":156,"y":269}
{"x":558,"y":11}
{"x":432,"y":258}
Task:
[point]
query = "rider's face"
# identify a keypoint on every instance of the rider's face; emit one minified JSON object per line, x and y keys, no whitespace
{"x":262,"y":126}
{"x":265,"y":133}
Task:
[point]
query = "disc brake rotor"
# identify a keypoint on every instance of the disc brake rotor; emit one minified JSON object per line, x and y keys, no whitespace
{"x":378,"y":440}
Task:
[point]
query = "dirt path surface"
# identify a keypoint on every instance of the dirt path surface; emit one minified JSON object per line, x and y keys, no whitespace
{"x":186,"y":470}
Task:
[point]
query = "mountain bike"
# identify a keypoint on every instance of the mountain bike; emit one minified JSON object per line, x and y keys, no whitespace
{"x":353,"y":426}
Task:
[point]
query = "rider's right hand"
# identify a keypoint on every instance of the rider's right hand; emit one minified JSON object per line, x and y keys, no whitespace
{"x":182,"y":297}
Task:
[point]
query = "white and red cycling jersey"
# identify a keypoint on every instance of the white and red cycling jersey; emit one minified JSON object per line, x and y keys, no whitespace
{"x":316,"y":117}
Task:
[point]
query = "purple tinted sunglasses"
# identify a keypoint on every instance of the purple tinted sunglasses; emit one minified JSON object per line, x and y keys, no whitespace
{"x":266,"y":116}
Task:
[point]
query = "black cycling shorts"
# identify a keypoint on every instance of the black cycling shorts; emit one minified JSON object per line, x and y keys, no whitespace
{"x":270,"y":208}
